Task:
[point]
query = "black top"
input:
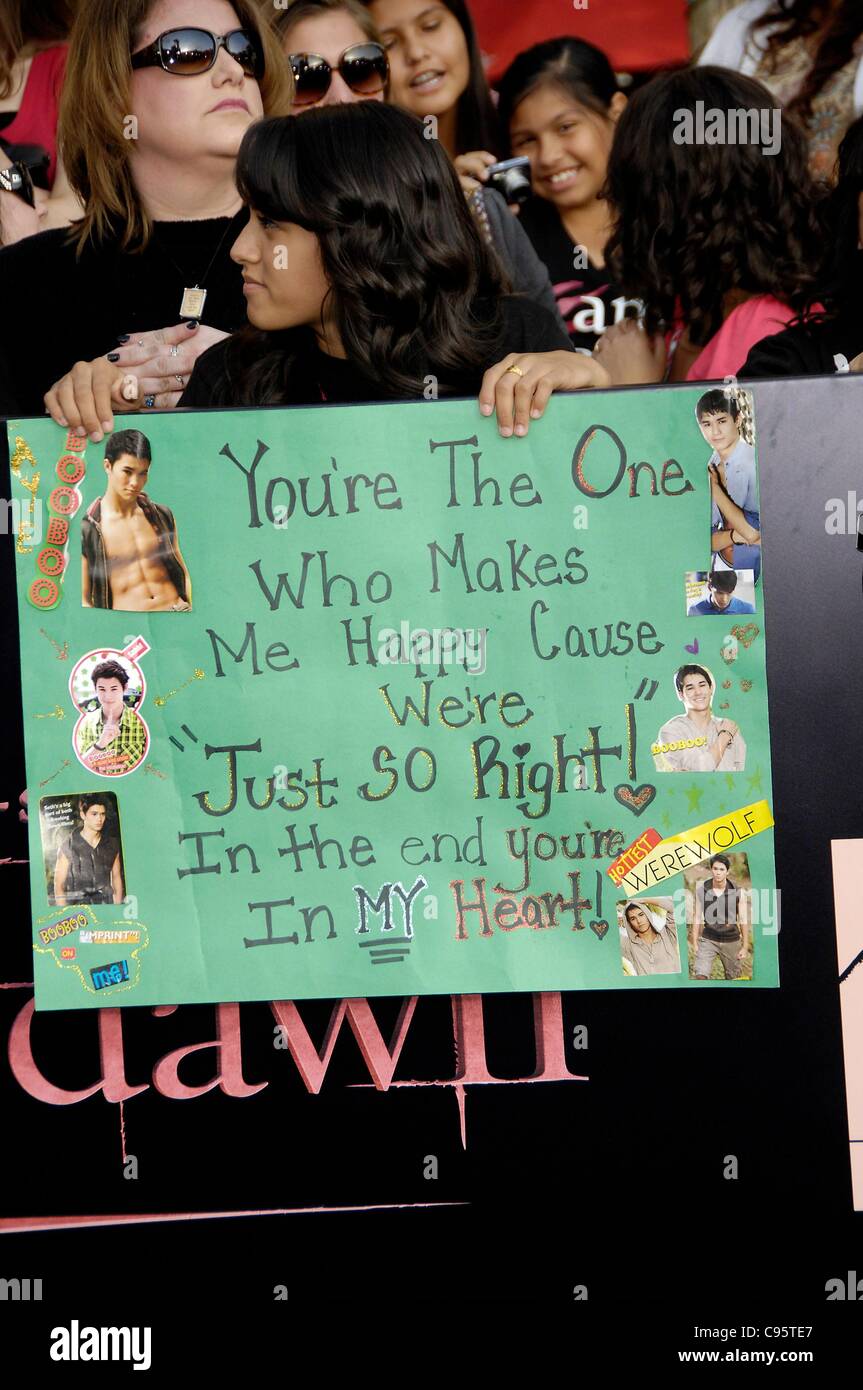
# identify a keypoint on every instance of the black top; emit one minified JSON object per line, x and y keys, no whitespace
{"x":576,"y":290}
{"x":503,"y":231}
{"x":89,"y":877}
{"x":57,"y":310}
{"x":804,"y":351}
{"x":527,"y":327}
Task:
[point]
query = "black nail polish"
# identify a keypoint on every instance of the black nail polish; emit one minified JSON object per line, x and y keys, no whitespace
{"x":192,"y":323}
{"x":123,"y":338}
{"x":113,"y":357}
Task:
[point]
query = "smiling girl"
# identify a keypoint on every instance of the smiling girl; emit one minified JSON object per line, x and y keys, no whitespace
{"x":559,"y":105}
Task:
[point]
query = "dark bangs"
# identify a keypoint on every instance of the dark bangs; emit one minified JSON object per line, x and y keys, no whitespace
{"x":267,"y":173}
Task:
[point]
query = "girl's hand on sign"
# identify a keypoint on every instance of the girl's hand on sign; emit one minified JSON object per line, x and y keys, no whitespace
{"x":629,"y":356}
{"x":518,"y":388}
{"x":87,"y":397}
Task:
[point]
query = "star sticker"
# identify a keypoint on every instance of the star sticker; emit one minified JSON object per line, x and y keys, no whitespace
{"x":666,"y":819}
{"x":729,"y":781}
{"x":693,"y":798}
{"x":754,"y":782}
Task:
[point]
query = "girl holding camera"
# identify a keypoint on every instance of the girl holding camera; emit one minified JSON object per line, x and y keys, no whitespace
{"x":559,"y":106}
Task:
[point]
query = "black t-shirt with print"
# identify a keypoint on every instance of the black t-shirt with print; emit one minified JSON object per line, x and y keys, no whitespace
{"x":588,"y":301}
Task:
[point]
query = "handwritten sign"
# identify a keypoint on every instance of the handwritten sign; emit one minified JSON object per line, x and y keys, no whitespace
{"x":361,"y":700}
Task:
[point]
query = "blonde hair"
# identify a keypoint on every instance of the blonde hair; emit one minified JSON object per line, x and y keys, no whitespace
{"x":95,"y":104}
{"x":284,"y":19}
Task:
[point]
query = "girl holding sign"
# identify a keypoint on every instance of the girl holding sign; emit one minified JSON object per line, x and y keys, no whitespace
{"x":366,"y":278}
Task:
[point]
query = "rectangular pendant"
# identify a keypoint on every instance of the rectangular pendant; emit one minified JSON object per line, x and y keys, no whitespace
{"x":192,"y":305}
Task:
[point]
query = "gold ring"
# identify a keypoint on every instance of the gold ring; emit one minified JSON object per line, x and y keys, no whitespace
{"x":517,"y":370}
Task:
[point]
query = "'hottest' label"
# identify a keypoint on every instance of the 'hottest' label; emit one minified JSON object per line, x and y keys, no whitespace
{"x":691,"y":847}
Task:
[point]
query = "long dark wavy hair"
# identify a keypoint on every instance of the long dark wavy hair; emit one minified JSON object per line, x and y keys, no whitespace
{"x":839,"y":290}
{"x":794,"y":19}
{"x":413,"y":289}
{"x":476,"y":120}
{"x":695,"y":222}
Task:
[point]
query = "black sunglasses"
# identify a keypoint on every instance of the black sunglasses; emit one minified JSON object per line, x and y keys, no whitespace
{"x":189,"y":52}
{"x":16,"y":179}
{"x":364,"y":67}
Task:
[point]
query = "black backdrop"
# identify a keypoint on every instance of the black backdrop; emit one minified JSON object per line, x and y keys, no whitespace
{"x":615,"y":1183}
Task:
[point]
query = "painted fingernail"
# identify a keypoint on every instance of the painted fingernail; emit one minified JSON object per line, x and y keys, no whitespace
{"x":486,"y":409}
{"x":123,"y":338}
{"x":113,"y":357}
{"x":192,"y":323}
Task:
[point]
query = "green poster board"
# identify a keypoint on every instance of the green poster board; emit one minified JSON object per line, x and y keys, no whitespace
{"x":394,"y":711}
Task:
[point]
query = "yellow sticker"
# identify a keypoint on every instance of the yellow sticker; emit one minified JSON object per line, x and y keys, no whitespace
{"x":689,"y":847}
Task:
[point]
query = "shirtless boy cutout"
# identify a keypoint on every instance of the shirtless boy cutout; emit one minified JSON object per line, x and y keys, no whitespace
{"x":130,"y":556}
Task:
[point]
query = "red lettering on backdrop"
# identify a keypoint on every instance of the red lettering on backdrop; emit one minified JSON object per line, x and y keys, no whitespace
{"x":311,"y":1062}
{"x":112,"y":1082}
{"x":548,"y":1030}
{"x":469,"y":1034}
{"x":230,"y":1080}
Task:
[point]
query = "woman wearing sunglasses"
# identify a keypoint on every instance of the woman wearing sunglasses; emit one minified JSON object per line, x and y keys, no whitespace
{"x":156,"y":101}
{"x":334,"y":51}
{"x":390,"y":283}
